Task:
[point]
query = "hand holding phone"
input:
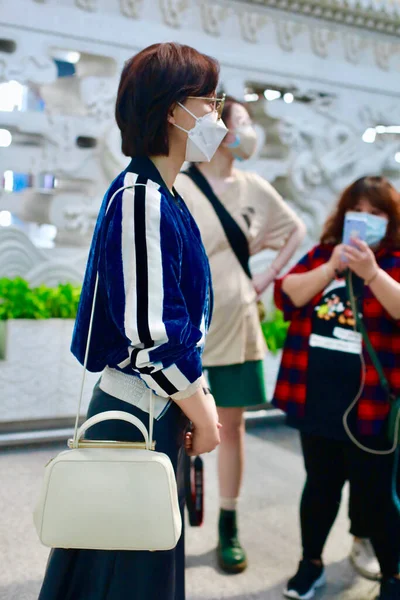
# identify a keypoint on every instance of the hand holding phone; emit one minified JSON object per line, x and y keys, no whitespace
{"x":355,"y":228}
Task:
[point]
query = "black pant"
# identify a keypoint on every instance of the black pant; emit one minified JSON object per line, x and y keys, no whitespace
{"x":359,"y":522}
{"x":360,"y":525}
{"x":329,"y":463}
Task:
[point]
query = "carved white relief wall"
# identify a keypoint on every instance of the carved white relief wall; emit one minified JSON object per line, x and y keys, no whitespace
{"x":344,"y":79}
{"x":21,"y":258}
{"x":339,"y":72}
{"x":315,"y":149}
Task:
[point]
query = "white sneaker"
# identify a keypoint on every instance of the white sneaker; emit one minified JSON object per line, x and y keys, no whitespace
{"x":363,"y":559}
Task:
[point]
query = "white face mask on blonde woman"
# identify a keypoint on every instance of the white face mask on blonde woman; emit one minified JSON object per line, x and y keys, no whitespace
{"x":245,"y":143}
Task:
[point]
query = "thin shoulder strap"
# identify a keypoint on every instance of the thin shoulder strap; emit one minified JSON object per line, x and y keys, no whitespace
{"x":363,"y":330}
{"x":233,"y":231}
{"x":89,"y":337}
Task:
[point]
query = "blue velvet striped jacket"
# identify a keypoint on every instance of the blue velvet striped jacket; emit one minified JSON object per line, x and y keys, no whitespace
{"x":154,"y":299}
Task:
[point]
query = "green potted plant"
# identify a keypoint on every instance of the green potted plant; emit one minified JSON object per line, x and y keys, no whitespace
{"x":275,"y":330}
{"x":18,"y":300}
{"x":39,"y":377}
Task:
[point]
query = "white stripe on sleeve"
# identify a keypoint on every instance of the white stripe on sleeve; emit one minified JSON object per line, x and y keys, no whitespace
{"x":155,"y":268}
{"x":176,"y":377}
{"x":129,"y":260}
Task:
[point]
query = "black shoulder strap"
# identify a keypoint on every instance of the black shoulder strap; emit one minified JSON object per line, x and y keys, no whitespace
{"x":233,"y":232}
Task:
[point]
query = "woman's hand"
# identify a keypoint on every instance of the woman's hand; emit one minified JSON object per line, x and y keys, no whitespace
{"x":361,"y":260}
{"x":203,"y":414}
{"x":303,"y":287}
{"x":261,"y":281}
{"x":202,"y":440}
{"x":336,"y":263}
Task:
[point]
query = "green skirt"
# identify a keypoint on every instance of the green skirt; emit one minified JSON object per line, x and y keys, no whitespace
{"x":238,"y":385}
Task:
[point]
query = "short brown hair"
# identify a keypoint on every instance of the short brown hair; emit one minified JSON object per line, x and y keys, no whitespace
{"x":230,"y":101}
{"x":152,"y":81}
{"x":381,"y":194}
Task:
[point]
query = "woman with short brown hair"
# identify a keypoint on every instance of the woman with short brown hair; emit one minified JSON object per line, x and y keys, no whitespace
{"x":322,"y":374}
{"x":153,"y":306}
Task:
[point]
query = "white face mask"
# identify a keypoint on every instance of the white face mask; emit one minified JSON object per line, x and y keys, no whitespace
{"x":245,"y":143}
{"x":376,"y":227}
{"x":204,"y":138}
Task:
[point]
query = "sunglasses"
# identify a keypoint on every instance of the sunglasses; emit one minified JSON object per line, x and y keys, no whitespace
{"x":216,"y":103}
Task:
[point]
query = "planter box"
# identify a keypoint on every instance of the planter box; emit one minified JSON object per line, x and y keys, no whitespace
{"x":39,"y":377}
{"x":3,"y":339}
{"x":271,"y":367}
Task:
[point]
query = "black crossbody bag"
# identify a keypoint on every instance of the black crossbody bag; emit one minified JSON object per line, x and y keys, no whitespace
{"x":233,"y":231}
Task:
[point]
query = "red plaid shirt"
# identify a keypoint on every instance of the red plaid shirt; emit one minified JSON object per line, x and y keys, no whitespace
{"x":384,"y":332}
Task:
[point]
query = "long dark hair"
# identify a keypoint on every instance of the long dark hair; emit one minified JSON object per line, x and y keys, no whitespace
{"x":381,"y":194}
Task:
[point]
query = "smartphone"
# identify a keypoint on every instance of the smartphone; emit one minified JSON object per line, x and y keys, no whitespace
{"x":355,"y":227}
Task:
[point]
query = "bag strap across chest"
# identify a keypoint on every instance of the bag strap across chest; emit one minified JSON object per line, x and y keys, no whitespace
{"x":233,"y":231}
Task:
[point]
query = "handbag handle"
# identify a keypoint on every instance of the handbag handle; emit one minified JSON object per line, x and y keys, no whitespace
{"x":149,"y":434}
{"x":110,"y":415}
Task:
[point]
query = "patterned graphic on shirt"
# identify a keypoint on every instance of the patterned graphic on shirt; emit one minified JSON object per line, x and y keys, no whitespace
{"x":333,"y":325}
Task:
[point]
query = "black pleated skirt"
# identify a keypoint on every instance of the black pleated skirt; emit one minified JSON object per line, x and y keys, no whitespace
{"x":124,"y":575}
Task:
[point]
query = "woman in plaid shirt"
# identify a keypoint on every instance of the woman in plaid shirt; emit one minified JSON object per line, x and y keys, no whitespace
{"x":320,"y":376}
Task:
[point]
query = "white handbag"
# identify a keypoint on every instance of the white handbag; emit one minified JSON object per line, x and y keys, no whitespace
{"x":109,"y":495}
